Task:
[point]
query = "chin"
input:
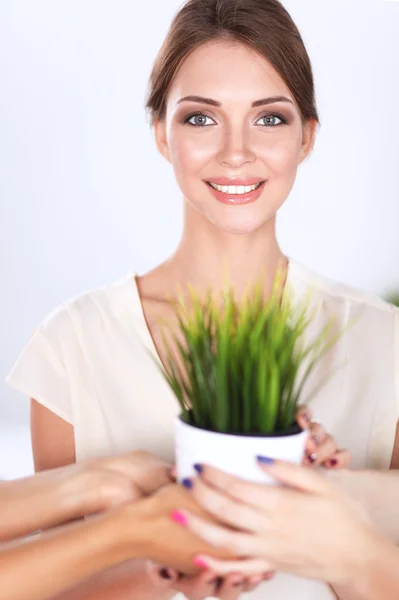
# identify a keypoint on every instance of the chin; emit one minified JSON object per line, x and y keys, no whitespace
{"x":241,"y":223}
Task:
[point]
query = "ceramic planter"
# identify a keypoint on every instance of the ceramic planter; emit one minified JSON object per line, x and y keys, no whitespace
{"x":234,"y":453}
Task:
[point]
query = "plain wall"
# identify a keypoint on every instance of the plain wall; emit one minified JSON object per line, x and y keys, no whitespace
{"x":85,"y":198}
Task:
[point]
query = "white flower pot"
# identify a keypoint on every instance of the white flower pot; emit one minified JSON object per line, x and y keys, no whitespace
{"x":233,"y":453}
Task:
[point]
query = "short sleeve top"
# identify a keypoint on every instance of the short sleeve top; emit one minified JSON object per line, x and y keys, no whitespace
{"x":93,"y":363}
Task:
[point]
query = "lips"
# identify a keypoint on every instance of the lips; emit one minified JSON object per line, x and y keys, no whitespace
{"x":235,"y":180}
{"x":235,"y":194}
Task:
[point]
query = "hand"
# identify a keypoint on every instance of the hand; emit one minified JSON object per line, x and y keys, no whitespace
{"x":205,"y":584}
{"x":166,"y":543}
{"x":94,"y":486}
{"x":311,"y":528}
{"x":321,"y":448}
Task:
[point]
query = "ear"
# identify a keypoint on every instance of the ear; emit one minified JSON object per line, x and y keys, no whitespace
{"x":308,"y":138}
{"x":161,"y":138}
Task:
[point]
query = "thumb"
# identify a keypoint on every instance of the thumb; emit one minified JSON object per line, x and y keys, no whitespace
{"x":295,"y":476}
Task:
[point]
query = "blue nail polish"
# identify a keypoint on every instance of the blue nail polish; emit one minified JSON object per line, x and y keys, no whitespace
{"x":187,"y":483}
{"x":265,"y":460}
{"x":198,"y":468}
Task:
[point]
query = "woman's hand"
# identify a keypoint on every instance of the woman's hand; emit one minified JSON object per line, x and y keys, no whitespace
{"x":166,"y":543}
{"x":321,"y":448}
{"x":206,"y":583}
{"x":54,"y":497}
{"x":309,"y":526}
{"x":97,"y":485}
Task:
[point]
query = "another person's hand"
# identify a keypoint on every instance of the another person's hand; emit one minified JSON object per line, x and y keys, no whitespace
{"x":54,"y":497}
{"x":100,"y":484}
{"x":206,"y":584}
{"x":309,"y":526}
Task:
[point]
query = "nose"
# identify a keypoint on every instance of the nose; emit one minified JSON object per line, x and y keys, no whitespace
{"x":236,"y":149}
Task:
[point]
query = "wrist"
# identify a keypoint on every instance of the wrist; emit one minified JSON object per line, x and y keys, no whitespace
{"x":372,"y":571}
{"x":124,"y":533}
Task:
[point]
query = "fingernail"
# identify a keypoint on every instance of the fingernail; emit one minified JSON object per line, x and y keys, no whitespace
{"x":187,"y":483}
{"x":198,"y":468}
{"x":200,"y":563}
{"x":178,"y":517}
{"x":268,"y":575}
{"x":164,"y":573}
{"x":306,"y":417}
{"x":312,"y":457}
{"x":333,"y":462}
{"x":265,"y":460}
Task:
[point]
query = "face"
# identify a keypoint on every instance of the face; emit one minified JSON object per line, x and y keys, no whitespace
{"x":234,"y":136}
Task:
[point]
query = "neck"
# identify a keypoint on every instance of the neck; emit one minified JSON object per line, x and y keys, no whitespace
{"x":206,"y":256}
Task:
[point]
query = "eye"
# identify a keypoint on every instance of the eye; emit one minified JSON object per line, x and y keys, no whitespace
{"x":199,"y":120}
{"x":271,"y":120}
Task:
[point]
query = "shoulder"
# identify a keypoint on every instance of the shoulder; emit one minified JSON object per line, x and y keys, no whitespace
{"x":91,"y":309}
{"x":339,"y":293}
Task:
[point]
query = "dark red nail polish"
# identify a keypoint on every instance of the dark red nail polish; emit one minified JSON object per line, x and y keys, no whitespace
{"x":164,"y":573}
{"x":312,"y":457}
{"x":333,"y":462}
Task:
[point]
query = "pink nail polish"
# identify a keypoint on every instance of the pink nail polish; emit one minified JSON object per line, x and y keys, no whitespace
{"x":179,"y":518}
{"x":200,"y":562}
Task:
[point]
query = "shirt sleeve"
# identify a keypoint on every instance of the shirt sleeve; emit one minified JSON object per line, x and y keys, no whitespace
{"x":40,"y":371}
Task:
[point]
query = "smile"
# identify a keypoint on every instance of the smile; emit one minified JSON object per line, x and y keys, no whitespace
{"x":234,"y":189}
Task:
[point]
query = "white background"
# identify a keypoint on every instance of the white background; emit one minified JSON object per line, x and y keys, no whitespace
{"x":85,"y":198}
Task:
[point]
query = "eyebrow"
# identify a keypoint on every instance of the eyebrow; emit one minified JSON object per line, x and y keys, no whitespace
{"x":211,"y":102}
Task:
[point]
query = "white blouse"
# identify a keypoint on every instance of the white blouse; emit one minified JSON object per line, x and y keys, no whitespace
{"x":90,"y":363}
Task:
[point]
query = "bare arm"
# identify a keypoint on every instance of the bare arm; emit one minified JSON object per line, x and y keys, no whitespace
{"x":377,"y":491}
{"x":378,"y":577}
{"x":56,"y":560}
{"x":53,"y":446}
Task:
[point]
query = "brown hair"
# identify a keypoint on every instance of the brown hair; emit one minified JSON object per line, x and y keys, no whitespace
{"x":262,"y":25}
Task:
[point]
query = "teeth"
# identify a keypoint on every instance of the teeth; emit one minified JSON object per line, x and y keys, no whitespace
{"x":234,"y":189}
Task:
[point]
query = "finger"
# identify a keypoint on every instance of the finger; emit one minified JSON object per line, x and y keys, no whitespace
{"x":149,"y":472}
{"x":248,"y":567}
{"x":252,"y":582}
{"x":325,"y":451}
{"x":304,"y":417}
{"x":317,"y":436}
{"x":256,"y":495}
{"x":228,"y":510}
{"x":198,"y":587}
{"x":162,"y":577}
{"x":298,"y":477}
{"x":340,"y":460}
{"x":231,"y":587}
{"x":241,"y":544}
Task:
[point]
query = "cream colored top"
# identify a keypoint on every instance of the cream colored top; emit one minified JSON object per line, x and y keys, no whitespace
{"x":90,"y":363}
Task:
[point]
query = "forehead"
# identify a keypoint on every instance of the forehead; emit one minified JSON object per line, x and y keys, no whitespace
{"x":227,"y":71}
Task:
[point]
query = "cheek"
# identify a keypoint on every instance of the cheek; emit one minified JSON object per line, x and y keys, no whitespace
{"x":281,"y":158}
{"x":190,"y":152}
{"x":282,"y":154}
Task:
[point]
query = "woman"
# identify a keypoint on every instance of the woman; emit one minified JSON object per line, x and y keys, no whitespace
{"x":233,"y":109}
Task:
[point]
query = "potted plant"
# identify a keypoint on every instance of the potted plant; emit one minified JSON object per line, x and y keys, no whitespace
{"x":238,"y":369}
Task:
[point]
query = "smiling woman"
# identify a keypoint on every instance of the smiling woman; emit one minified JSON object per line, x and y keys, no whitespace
{"x":232,"y":104}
